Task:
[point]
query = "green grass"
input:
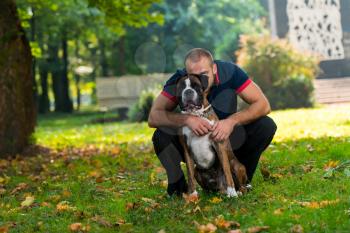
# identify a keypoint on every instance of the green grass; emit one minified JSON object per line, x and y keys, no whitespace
{"x":109,"y":170}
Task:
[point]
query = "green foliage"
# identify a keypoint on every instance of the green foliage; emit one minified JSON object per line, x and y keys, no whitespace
{"x":133,"y":13}
{"x":284,"y":73}
{"x":140,"y":110}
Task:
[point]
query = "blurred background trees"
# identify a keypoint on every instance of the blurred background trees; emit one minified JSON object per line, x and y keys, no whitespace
{"x":74,"y":42}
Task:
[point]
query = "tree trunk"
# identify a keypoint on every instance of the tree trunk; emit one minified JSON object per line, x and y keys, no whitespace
{"x":32,"y":39}
{"x":44,"y":102}
{"x":59,"y":76}
{"x":67,"y":102}
{"x":77,"y":76}
{"x":121,"y":46}
{"x":17,"y":107}
{"x":103,"y":58}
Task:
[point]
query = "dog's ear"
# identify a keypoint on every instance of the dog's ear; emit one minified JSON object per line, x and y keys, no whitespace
{"x":204,"y":81}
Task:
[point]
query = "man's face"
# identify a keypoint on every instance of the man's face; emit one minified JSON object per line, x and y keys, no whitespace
{"x":203,"y":66}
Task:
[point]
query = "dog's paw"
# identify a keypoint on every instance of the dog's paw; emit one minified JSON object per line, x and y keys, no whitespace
{"x":231,"y":192}
{"x":194,"y":194}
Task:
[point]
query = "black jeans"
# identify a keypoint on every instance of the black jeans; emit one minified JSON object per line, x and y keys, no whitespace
{"x":247,"y":141}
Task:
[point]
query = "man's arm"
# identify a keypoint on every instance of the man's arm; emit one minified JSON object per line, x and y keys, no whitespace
{"x":258,"y":106}
{"x":162,"y":114}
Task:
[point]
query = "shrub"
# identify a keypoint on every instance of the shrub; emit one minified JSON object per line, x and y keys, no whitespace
{"x":283,"y":73}
{"x":140,"y":110}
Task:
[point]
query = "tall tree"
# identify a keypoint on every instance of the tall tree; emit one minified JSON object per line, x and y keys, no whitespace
{"x":17,"y":109}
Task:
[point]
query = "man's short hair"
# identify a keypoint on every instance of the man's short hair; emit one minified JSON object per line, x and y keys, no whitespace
{"x":194,"y":55}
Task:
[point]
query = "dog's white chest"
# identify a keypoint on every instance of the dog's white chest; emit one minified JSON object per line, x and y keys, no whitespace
{"x":202,"y":152}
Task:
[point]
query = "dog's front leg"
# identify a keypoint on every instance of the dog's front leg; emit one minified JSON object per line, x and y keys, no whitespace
{"x":190,"y":168}
{"x":223,"y":157}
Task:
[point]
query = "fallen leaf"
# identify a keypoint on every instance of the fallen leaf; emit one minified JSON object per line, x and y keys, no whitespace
{"x":2,"y":191}
{"x":310,"y":148}
{"x":235,"y":231}
{"x":330,"y":164}
{"x":265,"y":172}
{"x":222,"y":223}
{"x":215,"y":200}
{"x":79,"y":227}
{"x":197,"y":209}
{"x":130,"y":205}
{"x":316,"y":205}
{"x":64,"y":206}
{"x":95,"y":173}
{"x":46,"y":204}
{"x":149,"y":200}
{"x":101,"y":221}
{"x":100,"y":179}
{"x":208,"y":228}
{"x":120,"y":222}
{"x":307,"y":168}
{"x":75,"y":226}
{"x":257,"y":229}
{"x":66,"y":193}
{"x":4,"y":229}
{"x":278,"y":211}
{"x":19,"y":187}
{"x":28,"y":201}
{"x":296,"y":229}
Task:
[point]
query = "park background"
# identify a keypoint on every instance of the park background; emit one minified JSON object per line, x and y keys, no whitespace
{"x":78,"y":78}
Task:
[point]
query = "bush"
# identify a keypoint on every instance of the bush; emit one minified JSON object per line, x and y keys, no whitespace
{"x":283,"y":73}
{"x":140,"y":110}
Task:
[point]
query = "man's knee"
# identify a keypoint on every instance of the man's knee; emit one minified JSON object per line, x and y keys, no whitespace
{"x":267,"y":127}
{"x":161,"y":139}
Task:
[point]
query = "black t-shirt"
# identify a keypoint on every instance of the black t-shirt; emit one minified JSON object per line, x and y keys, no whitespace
{"x":229,"y":81}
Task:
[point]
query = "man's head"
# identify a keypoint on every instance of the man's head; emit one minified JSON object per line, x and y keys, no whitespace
{"x":200,"y":61}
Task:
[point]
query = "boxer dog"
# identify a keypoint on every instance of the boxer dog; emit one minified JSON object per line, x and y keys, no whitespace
{"x":211,"y":163}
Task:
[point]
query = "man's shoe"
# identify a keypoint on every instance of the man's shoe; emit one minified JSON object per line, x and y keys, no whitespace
{"x":178,"y":187}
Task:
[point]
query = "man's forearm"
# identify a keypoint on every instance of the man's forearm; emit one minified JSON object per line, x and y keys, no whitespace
{"x":253,"y":112}
{"x":160,"y":118}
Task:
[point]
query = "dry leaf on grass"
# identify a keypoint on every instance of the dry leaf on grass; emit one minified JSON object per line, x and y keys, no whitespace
{"x":317,"y":205}
{"x":131,"y":205}
{"x":222,"y":223}
{"x":330,"y":164}
{"x":66,"y":193}
{"x":215,"y":200}
{"x":278,"y":211}
{"x":208,"y":228}
{"x":4,"y":229}
{"x":19,"y":187}
{"x":28,"y":201}
{"x":64,"y":206}
{"x":235,"y":231}
{"x":101,"y":221}
{"x":296,"y":229}
{"x":257,"y":229}
{"x":79,"y":227}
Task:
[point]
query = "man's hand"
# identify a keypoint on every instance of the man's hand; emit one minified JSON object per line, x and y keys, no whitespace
{"x":222,"y":129}
{"x":198,"y":125}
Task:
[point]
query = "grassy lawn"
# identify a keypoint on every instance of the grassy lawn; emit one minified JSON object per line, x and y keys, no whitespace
{"x":106,"y":178}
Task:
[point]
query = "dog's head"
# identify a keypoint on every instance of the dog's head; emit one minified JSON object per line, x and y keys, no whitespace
{"x":190,"y":91}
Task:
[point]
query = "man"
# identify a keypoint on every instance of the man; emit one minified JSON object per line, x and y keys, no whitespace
{"x":227,"y":81}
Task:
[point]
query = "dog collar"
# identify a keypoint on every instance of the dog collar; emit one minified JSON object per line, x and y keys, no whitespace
{"x":203,"y":112}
